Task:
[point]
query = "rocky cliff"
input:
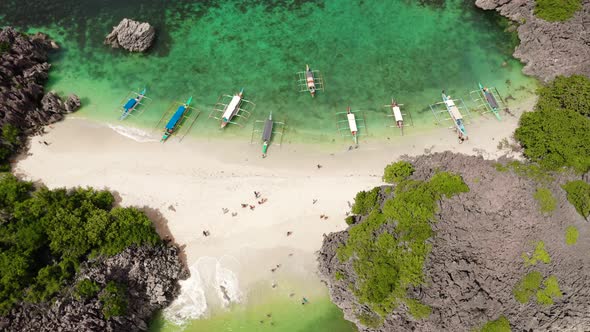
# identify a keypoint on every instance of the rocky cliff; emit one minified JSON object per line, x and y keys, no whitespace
{"x":23,"y":72}
{"x":131,"y":35}
{"x":477,"y":255}
{"x":547,"y":49}
{"x":151,"y":275}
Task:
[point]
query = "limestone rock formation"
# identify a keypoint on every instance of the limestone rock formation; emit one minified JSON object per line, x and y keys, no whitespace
{"x":131,"y":35}
{"x":150,"y":273}
{"x":547,"y":49}
{"x":23,"y":71}
{"x":476,"y":258}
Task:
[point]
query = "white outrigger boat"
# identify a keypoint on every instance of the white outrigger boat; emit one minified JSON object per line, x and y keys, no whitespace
{"x":452,"y":108}
{"x":350,"y":124}
{"x":310,"y":80}
{"x":398,"y":116}
{"x":235,"y":107}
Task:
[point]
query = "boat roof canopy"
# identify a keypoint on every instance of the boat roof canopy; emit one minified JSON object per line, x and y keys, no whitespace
{"x":176,"y":117}
{"x":130,"y":103}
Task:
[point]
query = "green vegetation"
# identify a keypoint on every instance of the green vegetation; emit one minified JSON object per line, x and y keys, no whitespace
{"x":550,"y":291}
{"x":370,"y":320}
{"x":365,"y":201}
{"x":338,"y":275}
{"x":46,"y":234}
{"x":114,"y":300}
{"x":4,"y":47}
{"x":557,"y":133}
{"x":556,"y":10}
{"x":527,"y":287}
{"x":388,"y":262}
{"x":540,"y":254}
{"x":417,"y":309}
{"x":499,"y":325}
{"x":529,"y":171}
{"x":569,"y":93}
{"x":86,"y":289}
{"x":547,"y":203}
{"x":578,"y":194}
{"x":571,"y":235}
{"x":397,"y":172}
{"x":9,"y":144}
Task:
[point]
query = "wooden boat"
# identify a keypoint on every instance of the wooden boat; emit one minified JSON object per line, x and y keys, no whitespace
{"x":175,"y":120}
{"x":455,"y":116}
{"x":491,"y":101}
{"x":352,"y":125}
{"x":232,"y":108}
{"x":310,"y":80}
{"x":131,"y":104}
{"x":266,"y":134}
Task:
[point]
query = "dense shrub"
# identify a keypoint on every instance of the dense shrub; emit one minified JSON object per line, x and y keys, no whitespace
{"x":9,"y":144}
{"x":387,"y":263}
{"x":571,"y":235}
{"x":4,"y":47}
{"x":569,"y":93}
{"x":528,"y":286}
{"x":114,"y":300}
{"x":578,"y":194}
{"x":86,"y":288}
{"x":365,"y":201}
{"x":46,"y":234}
{"x":556,"y":138}
{"x":556,"y":10}
{"x":557,"y":133}
{"x":547,"y":203}
{"x":549,"y":291}
{"x":499,"y":325}
{"x":398,"y":171}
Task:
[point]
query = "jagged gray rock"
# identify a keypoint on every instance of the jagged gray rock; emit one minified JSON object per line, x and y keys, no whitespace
{"x":131,"y":35}
{"x":547,"y":49}
{"x":23,"y":71}
{"x":150,"y":273}
{"x":476,"y":255}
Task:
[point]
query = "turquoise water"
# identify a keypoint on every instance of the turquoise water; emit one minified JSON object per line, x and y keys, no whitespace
{"x":366,"y":51}
{"x":272,"y":311}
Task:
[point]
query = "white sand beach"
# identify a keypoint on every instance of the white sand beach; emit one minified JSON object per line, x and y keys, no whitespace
{"x":193,"y":181}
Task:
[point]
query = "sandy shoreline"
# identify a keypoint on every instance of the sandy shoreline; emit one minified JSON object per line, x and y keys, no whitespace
{"x":190,"y":183}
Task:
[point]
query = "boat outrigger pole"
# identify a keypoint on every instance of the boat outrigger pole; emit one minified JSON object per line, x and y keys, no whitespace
{"x":174,"y":122}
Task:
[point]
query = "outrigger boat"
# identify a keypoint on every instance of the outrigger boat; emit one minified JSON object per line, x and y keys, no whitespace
{"x":232,"y":109}
{"x":490,"y":99}
{"x":134,"y":101}
{"x":310,"y":80}
{"x":452,"y":108}
{"x":350,"y":123}
{"x":183,"y":112}
{"x":398,"y":116}
{"x":268,"y":132}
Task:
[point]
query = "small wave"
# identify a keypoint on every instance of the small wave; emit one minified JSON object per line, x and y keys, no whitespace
{"x":135,"y":134}
{"x":227,"y":284}
{"x":191,"y":303}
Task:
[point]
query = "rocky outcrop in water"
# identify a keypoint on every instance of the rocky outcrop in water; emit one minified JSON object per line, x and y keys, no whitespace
{"x":151,"y":275}
{"x":23,"y":72}
{"x":131,"y":35}
{"x":547,"y":49}
{"x":476,"y":258}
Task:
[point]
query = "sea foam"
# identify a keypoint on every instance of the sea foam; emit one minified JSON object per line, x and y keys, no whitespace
{"x":135,"y":134}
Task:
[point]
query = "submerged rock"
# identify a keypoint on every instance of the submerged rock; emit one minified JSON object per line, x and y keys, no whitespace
{"x":477,"y":255}
{"x":547,"y":49}
{"x":131,"y":35}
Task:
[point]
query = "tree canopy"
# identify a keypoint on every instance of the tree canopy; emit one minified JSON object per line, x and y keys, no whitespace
{"x":46,"y":234}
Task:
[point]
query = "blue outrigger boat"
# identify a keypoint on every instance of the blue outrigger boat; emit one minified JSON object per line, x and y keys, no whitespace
{"x":132,"y":104}
{"x":175,"y":120}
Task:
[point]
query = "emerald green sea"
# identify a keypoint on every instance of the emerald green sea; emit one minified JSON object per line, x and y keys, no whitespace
{"x":367,"y":52}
